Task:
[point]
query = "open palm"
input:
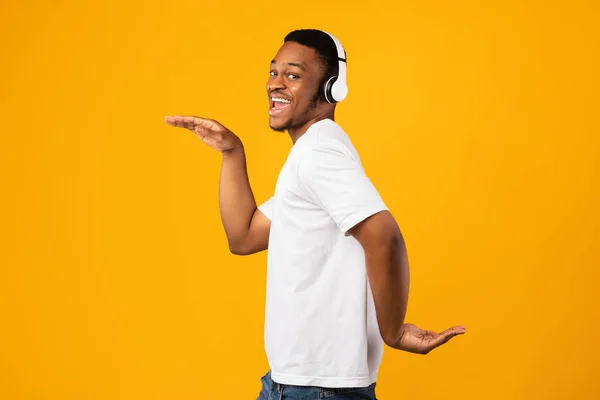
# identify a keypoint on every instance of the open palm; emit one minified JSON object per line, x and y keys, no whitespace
{"x":213,"y":133}
{"x":416,"y":340}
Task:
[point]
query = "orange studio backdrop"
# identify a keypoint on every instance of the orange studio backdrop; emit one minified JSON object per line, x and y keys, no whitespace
{"x":478,"y":122}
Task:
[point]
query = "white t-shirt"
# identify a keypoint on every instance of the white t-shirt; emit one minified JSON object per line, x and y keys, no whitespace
{"x":320,"y":322}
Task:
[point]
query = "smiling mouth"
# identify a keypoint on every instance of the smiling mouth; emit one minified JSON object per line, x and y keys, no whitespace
{"x":278,"y":105}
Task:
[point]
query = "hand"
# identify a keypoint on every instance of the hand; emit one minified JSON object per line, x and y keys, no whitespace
{"x":415,"y":340}
{"x":210,"y":131}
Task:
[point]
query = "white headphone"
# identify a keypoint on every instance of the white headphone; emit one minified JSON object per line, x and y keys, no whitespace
{"x":336,"y":89}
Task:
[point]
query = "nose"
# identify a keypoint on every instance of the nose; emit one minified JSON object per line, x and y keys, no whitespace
{"x":274,"y":83}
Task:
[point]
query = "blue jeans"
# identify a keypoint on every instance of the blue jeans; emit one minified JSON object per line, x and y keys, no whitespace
{"x":275,"y":391}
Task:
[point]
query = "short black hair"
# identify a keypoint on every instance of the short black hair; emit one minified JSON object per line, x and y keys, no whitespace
{"x":322,"y":43}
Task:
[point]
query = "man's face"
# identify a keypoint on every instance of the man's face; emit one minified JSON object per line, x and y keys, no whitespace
{"x":293,"y":87}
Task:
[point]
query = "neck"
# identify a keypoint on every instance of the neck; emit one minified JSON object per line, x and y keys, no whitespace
{"x":297,"y":132}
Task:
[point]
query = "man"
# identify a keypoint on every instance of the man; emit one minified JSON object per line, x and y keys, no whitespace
{"x":337,"y":274}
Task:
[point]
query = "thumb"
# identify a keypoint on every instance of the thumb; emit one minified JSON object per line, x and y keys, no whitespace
{"x":202,"y":131}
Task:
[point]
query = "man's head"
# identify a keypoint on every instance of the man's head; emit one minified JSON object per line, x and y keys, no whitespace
{"x":305,"y":61}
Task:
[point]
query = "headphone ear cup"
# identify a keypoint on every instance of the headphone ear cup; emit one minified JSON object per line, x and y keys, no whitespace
{"x":327,"y":90}
{"x":338,"y":91}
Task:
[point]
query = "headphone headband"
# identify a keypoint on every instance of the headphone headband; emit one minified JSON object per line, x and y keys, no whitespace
{"x":336,"y":89}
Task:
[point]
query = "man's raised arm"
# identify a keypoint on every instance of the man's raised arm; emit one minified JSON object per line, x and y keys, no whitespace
{"x":246,"y":227}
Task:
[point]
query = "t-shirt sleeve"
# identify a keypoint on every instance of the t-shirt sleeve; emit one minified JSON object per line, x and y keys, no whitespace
{"x":267,"y":208}
{"x":337,"y":183}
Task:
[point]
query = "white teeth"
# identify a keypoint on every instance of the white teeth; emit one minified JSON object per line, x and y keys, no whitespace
{"x":279,"y":100}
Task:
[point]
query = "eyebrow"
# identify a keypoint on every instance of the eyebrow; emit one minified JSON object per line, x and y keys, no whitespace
{"x":292,"y":64}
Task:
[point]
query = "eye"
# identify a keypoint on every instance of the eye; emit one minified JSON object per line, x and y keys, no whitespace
{"x":293,"y":76}
{"x":273,"y":73}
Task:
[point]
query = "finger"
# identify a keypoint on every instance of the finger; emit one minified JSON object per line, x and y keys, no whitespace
{"x":182,"y":121}
{"x":454,"y":331}
{"x":174,"y":120}
{"x":203,"y":131}
{"x":445,"y":336}
{"x":171,"y":120}
{"x":448,"y":334}
{"x":459,"y":330}
{"x":177,"y":121}
{"x":188,"y":120}
{"x":206,"y":123}
{"x":210,"y":141}
{"x":191,"y":120}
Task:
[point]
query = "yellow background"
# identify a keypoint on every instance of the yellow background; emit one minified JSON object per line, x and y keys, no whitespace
{"x":478,"y":122}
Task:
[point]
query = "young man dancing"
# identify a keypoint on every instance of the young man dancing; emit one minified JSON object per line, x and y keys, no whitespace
{"x":337,"y":273}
